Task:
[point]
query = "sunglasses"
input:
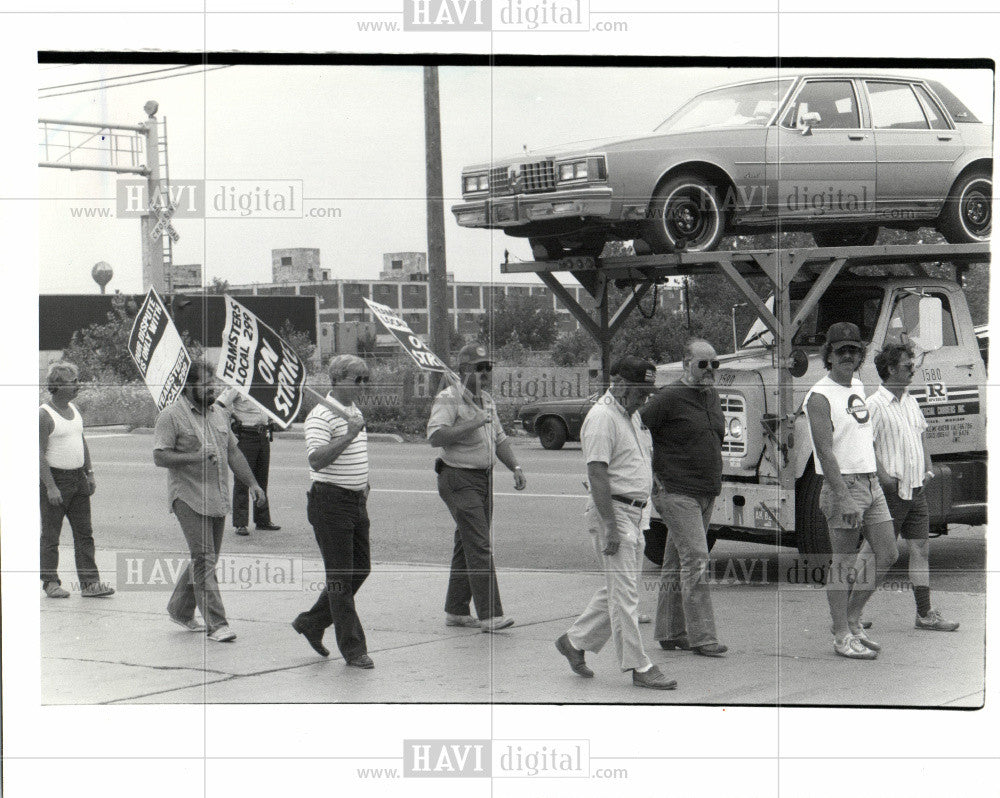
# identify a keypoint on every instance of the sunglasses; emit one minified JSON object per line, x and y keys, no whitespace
{"x":854,"y":351}
{"x":484,"y":367}
{"x":704,"y":364}
{"x":362,"y":379}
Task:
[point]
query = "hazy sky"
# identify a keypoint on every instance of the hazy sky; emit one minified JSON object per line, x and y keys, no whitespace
{"x":354,"y":136}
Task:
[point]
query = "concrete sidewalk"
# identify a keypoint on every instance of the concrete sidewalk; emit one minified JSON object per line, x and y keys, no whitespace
{"x":123,"y":649}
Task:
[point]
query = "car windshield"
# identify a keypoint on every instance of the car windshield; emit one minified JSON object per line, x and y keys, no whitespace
{"x":732,"y":106}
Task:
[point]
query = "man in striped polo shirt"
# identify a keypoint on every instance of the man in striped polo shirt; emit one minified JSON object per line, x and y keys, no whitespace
{"x":904,"y":467}
{"x":337,"y":510}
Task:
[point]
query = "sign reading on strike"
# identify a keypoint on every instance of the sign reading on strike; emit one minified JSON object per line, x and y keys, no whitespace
{"x":260,"y":365}
{"x":158,"y":352}
{"x":401,"y":331}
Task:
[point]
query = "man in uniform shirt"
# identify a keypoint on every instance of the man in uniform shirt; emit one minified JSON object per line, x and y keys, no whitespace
{"x":471,"y":439}
{"x":618,"y":450}
{"x":253,"y":433}
{"x":904,"y":467}
{"x":338,"y":511}
{"x":193,"y":441}
{"x":686,"y":421}
{"x":851,"y":498}
{"x":67,"y":483}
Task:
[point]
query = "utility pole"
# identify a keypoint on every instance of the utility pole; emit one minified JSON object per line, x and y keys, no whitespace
{"x":437,"y":276}
{"x":152,"y":240}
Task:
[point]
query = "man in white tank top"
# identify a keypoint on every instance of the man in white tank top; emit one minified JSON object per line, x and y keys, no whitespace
{"x":851,"y":498}
{"x":67,"y":483}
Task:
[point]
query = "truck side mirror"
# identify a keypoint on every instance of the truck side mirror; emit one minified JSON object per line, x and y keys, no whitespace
{"x":928,"y":333}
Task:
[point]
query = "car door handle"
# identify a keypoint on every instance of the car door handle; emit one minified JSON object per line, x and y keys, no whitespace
{"x":857,"y":136}
{"x":965,"y":365}
{"x":945,"y":138}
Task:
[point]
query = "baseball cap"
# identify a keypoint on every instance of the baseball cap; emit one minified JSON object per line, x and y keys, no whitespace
{"x":843,"y":332}
{"x":635,"y":369}
{"x":473,"y":353}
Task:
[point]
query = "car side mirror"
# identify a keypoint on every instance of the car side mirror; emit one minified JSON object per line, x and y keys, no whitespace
{"x":809,"y":120}
{"x":928,"y":336}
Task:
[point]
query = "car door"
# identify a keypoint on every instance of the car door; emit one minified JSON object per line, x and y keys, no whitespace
{"x":915,"y":147}
{"x":820,"y":159}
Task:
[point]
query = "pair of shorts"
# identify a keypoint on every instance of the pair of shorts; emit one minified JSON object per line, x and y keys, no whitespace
{"x":910,"y":518}
{"x":867,"y":494}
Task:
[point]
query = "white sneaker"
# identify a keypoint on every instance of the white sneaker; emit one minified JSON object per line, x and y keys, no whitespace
{"x":222,"y":635}
{"x":496,"y":623}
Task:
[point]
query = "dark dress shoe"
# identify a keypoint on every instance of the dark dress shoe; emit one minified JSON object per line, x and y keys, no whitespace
{"x":575,"y":657}
{"x":679,"y":642}
{"x":361,"y":661}
{"x":711,"y":650}
{"x":267,"y":527}
{"x":314,"y":638}
{"x":242,"y":531}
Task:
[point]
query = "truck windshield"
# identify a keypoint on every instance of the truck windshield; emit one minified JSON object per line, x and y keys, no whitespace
{"x":858,"y":304}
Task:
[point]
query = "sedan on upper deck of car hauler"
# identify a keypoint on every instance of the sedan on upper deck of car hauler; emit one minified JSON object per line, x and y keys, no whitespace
{"x":838,"y":155}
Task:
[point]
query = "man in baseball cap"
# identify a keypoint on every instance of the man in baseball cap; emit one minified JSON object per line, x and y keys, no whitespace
{"x":617,"y":448}
{"x":851,"y":497}
{"x":471,"y":439}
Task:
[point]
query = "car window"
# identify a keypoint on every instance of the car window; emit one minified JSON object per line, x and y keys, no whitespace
{"x":958,"y":110}
{"x":833,"y":100}
{"x":895,"y":106}
{"x":937,"y":121}
{"x":905,"y":316}
{"x":730,"y":106}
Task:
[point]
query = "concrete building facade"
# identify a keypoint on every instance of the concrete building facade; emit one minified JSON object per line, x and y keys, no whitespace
{"x":297,"y":265}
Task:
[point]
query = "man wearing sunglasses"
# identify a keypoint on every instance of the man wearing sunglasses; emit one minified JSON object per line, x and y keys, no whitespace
{"x":471,"y":439}
{"x":904,"y":468}
{"x":687,"y":424}
{"x":617,"y":449}
{"x":337,"y":508}
{"x":851,"y":498}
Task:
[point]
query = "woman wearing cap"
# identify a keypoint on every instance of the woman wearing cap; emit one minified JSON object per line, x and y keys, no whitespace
{"x":851,"y":498}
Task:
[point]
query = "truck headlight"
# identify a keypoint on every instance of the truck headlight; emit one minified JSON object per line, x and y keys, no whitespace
{"x":735,"y":428}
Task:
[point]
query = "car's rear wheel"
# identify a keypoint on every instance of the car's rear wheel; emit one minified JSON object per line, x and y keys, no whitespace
{"x":967,"y":217}
{"x":556,"y":247}
{"x":685,"y":214}
{"x":552,"y":433}
{"x":846,"y":236}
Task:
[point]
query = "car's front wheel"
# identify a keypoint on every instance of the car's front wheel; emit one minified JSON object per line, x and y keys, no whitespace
{"x":552,"y":433}
{"x":846,"y":236}
{"x":685,"y":214}
{"x":967,"y":217}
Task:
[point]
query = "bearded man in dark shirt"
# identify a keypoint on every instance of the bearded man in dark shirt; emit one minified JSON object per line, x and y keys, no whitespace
{"x":686,"y":421}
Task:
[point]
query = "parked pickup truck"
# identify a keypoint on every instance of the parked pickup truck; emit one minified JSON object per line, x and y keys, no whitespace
{"x":555,"y":421}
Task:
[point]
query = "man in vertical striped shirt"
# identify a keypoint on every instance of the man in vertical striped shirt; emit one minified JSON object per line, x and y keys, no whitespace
{"x":903,"y":469}
{"x":337,"y":509}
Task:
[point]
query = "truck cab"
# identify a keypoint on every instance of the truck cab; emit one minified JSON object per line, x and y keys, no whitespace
{"x":759,"y":500}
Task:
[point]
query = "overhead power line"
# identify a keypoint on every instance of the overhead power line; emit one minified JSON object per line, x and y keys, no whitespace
{"x":133,"y":82}
{"x":118,"y":77}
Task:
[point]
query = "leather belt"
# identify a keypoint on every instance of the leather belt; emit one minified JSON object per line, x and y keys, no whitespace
{"x":640,"y":503}
{"x":251,"y":428}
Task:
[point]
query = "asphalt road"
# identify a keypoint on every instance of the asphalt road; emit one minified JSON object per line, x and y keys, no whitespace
{"x":539,"y":529}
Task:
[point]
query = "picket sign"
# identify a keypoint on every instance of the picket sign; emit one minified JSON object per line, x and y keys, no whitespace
{"x":265,"y":368}
{"x":158,"y":352}
{"x":415,"y":348}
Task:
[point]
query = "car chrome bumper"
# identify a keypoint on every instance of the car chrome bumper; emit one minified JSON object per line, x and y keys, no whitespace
{"x":521,"y":209}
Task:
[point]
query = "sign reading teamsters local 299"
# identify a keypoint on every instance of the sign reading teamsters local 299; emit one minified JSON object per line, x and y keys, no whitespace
{"x":158,"y":352}
{"x":259,"y":364}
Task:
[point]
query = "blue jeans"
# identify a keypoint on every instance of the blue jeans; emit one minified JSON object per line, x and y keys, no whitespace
{"x":198,"y":585}
{"x":684,"y":603}
{"x":75,"y":506}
